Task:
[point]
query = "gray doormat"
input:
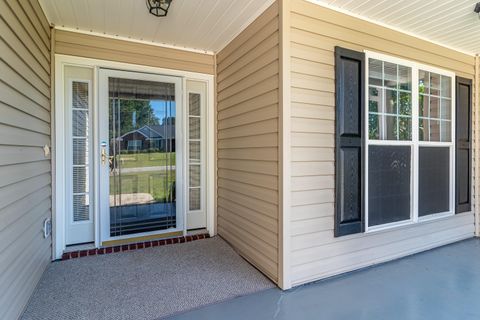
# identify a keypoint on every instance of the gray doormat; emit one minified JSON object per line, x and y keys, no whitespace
{"x":145,"y":284}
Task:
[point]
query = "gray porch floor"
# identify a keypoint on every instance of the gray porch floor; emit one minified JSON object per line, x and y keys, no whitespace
{"x":145,"y":284}
{"x":443,"y":283}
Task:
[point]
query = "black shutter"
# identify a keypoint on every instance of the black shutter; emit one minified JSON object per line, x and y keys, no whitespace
{"x":349,"y":141}
{"x":463,"y":145}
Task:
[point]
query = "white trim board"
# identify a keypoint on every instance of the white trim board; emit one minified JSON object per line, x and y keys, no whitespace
{"x":59,"y":170}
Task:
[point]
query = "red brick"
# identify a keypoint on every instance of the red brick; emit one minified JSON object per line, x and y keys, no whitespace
{"x":109,"y":250}
{"x":66,"y":256}
{"x":92,"y":252}
{"x":182,"y":240}
{"x":133,"y":246}
{"x":101,"y":251}
{"x":74,"y":254}
{"x":207,"y":236}
{"x":161,"y":242}
{"x":201,"y":236}
{"x":83,"y":253}
{"x":139,"y":245}
{"x":117,"y":249}
{"x":169,"y":241}
{"x":148,"y":244}
{"x":125,"y":247}
{"x":189,"y":238}
{"x":175,"y":240}
{"x":195,"y":237}
{"x":154,"y":243}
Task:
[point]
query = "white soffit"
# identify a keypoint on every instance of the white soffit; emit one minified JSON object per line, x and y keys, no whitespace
{"x":450,"y":23}
{"x":201,"y":25}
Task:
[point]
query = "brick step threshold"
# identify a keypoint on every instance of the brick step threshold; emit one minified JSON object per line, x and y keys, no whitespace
{"x":132,"y":246}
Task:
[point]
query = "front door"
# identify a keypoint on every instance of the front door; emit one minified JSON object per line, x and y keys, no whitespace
{"x":140,"y":145}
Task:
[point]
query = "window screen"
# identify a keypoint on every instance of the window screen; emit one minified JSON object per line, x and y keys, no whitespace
{"x":433,"y":180}
{"x":389,"y":176}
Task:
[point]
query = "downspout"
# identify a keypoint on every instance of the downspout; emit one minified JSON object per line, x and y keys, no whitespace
{"x":476,"y":106}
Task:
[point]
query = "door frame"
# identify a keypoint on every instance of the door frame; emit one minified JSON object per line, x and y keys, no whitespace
{"x":58,"y":130}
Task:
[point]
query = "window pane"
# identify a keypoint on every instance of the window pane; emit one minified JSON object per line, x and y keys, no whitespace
{"x":375,"y":99}
{"x":390,"y":102}
{"x":445,"y":109}
{"x":423,"y":104}
{"x":434,"y":84}
{"x":433,"y":180}
{"x":194,"y":104}
{"x":423,"y":82}
{"x":389,"y":126}
{"x":373,"y":128}
{"x":388,"y":184}
{"x":390,"y":70}
{"x":445,"y":131}
{"x":434,"y":107}
{"x":405,"y":101}
{"x":405,"y":128}
{"x":446,"y":86}
{"x":404,"y":78}
{"x":434,"y":130}
{"x":194,"y":127}
{"x":424,"y":132}
{"x":375,"y":72}
{"x":194,"y":199}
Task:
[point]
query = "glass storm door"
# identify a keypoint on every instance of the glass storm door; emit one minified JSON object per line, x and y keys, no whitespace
{"x":140,"y":143}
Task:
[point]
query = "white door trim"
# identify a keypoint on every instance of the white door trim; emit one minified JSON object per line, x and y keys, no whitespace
{"x":60,"y":161}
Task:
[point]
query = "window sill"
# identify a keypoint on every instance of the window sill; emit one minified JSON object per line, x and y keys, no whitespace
{"x":408,"y":223}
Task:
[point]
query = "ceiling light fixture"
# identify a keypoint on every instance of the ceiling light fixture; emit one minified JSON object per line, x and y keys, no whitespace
{"x":158,"y":8}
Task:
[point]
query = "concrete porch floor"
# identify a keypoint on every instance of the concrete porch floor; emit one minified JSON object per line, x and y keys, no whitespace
{"x":442,"y":283}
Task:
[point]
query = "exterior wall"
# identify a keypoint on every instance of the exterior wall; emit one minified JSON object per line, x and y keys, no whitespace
{"x":25,"y":184}
{"x":247,"y":146}
{"x":90,"y":46}
{"x":314,"y":252}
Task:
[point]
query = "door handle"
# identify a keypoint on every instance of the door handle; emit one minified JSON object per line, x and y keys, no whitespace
{"x":104,"y":155}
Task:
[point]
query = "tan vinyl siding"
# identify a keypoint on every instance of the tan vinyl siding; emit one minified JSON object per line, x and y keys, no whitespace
{"x":247,"y":156}
{"x":91,"y":46}
{"x":315,"y":253}
{"x":25,"y":184}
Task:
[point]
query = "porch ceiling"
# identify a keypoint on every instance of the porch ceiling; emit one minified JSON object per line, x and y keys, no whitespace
{"x":450,"y":23}
{"x":206,"y":25}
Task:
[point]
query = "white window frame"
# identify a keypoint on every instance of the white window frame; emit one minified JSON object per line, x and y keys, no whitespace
{"x":415,"y":144}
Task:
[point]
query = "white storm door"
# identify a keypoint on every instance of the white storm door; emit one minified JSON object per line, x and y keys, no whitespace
{"x":141,"y":159}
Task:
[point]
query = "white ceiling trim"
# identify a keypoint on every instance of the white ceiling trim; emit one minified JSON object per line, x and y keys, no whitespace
{"x":247,"y":23}
{"x":350,"y":13}
{"x":152,"y":43}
